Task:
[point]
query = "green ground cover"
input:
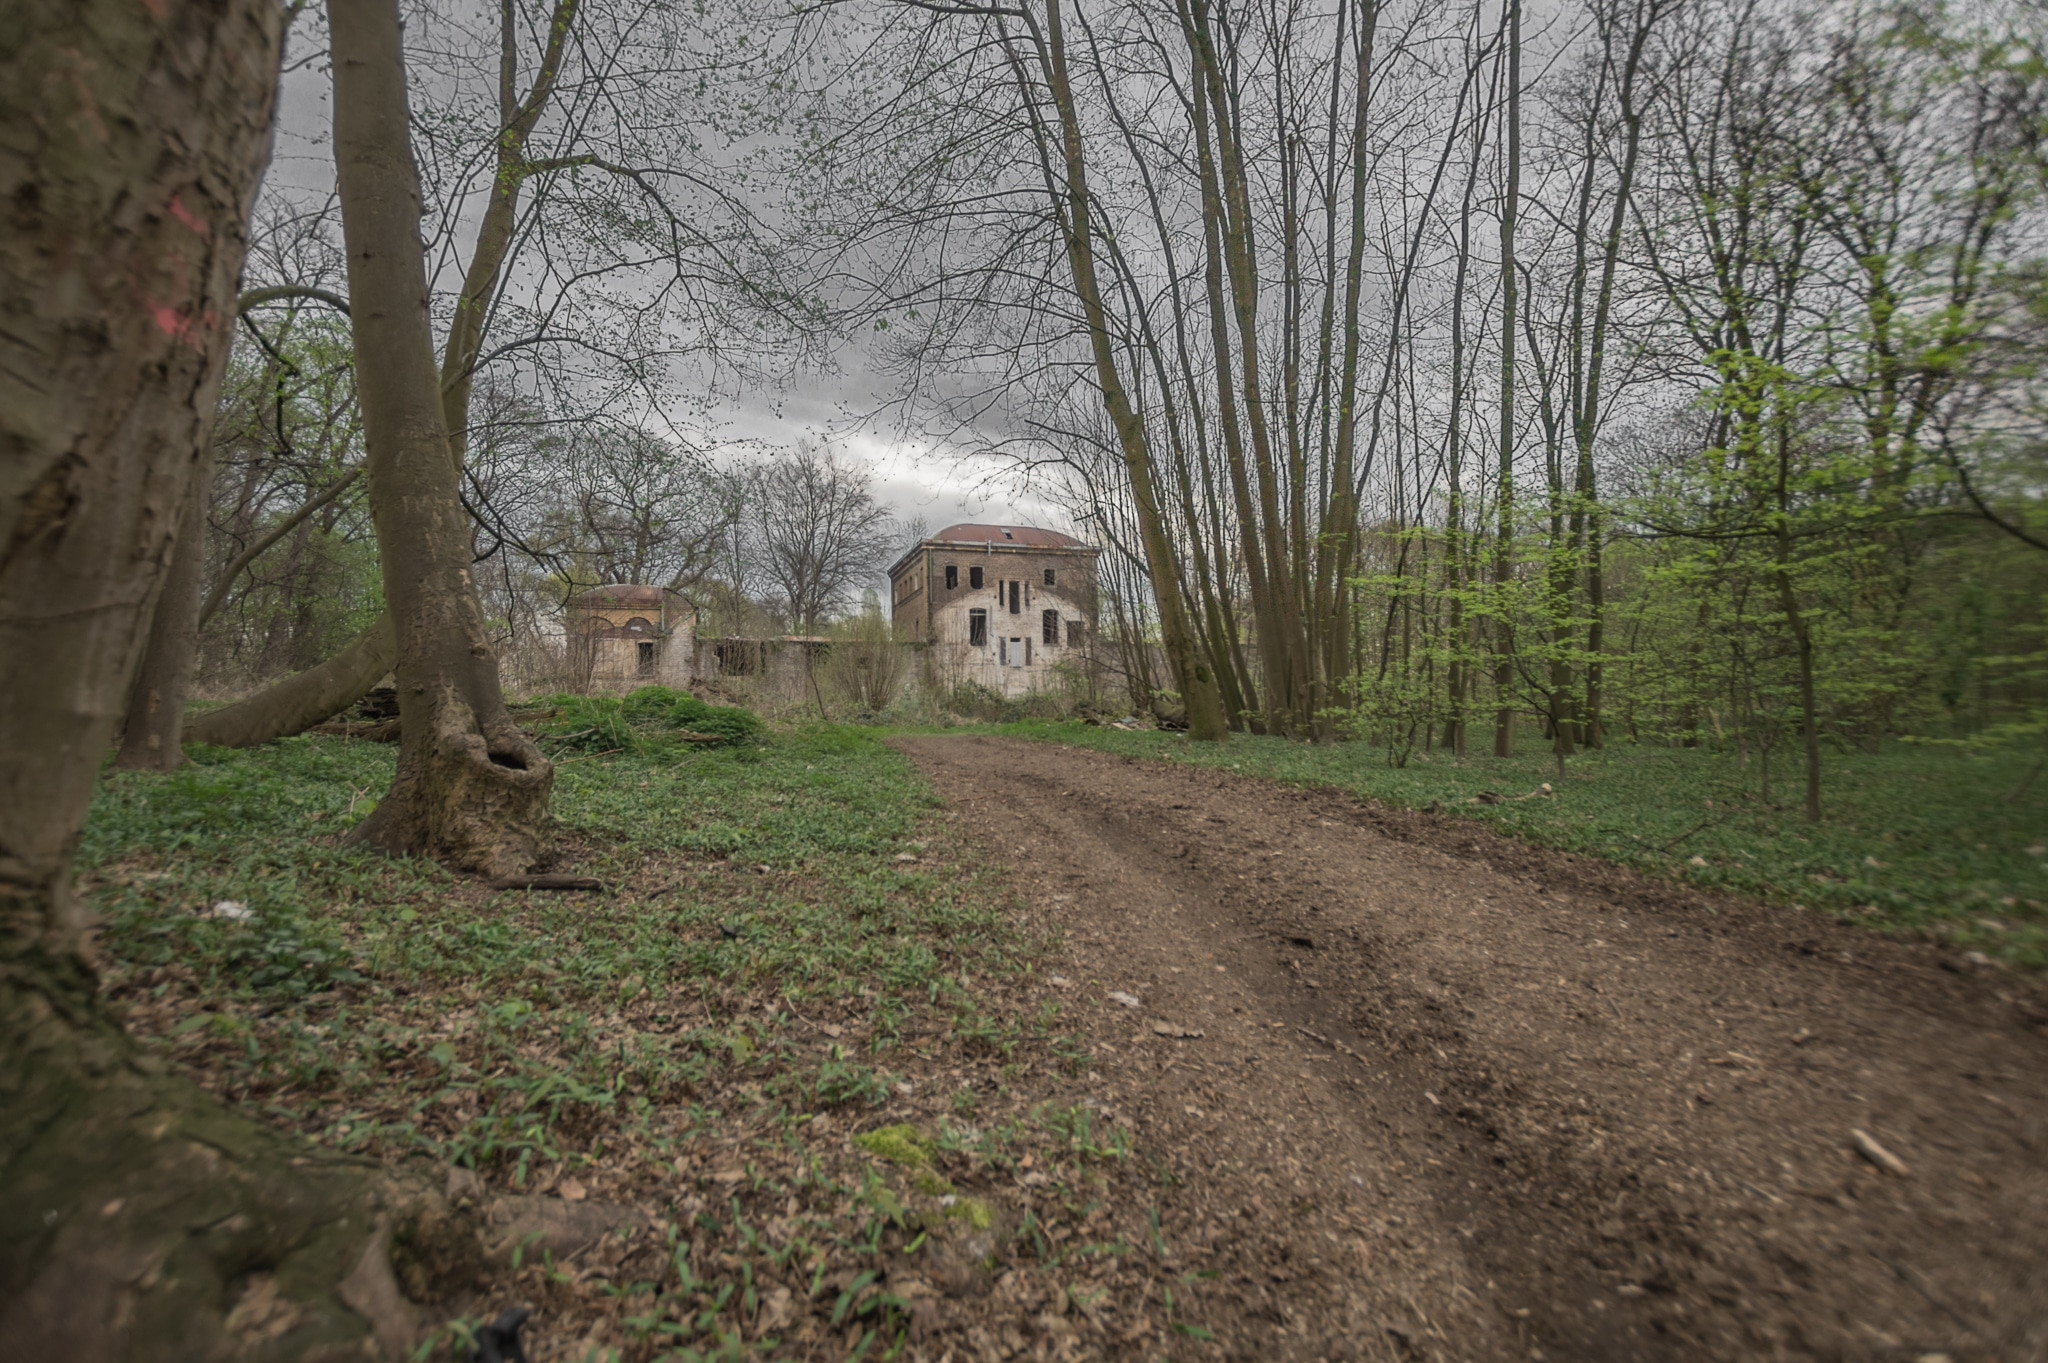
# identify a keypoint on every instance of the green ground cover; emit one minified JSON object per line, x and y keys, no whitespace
{"x":792,"y":948}
{"x":1916,"y":837}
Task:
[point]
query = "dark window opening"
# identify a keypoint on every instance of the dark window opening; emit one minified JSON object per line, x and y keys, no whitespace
{"x":1027,"y":650}
{"x":952,"y":576}
{"x":1049,"y":628}
{"x":1048,"y":577}
{"x":1016,"y":598}
{"x":1073,"y":634}
{"x":977,"y":627}
{"x":1003,"y":651}
{"x":973,"y":577}
{"x":646,"y":651}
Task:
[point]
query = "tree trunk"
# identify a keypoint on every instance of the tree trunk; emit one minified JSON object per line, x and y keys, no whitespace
{"x":154,"y":729}
{"x":303,"y":699}
{"x":1198,"y":690}
{"x":471,"y":788}
{"x":1503,"y":550}
{"x":138,"y":1211}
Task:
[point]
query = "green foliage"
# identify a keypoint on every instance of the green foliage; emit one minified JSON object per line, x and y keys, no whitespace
{"x":647,"y":721}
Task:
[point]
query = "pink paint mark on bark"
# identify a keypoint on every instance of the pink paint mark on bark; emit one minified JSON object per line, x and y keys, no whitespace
{"x":186,"y":215}
{"x":181,"y":325}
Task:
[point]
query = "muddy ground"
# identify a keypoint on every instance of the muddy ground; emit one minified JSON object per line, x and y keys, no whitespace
{"x":1426,"y":1093}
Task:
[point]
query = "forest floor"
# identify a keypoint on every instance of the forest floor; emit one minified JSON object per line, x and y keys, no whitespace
{"x":835,"y":1066}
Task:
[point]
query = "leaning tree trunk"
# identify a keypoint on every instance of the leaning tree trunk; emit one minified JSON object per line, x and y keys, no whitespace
{"x":303,"y":699}
{"x":471,"y":788}
{"x":138,"y":1212}
{"x":154,"y":728}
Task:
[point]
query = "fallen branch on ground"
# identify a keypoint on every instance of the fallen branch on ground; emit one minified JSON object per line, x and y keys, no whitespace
{"x":549,"y":882}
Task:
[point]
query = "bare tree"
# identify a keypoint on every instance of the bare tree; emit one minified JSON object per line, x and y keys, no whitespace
{"x":819,"y":532}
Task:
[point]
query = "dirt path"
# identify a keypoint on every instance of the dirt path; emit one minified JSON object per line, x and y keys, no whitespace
{"x":1453,"y":1097}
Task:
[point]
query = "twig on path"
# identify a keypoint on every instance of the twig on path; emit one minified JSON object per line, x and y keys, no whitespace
{"x":606,"y":753}
{"x":1919,"y":1284}
{"x":1333,"y":1042}
{"x":1884,"y":1159}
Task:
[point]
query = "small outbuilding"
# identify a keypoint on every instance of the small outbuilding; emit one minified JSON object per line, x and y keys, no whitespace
{"x":621,"y":636}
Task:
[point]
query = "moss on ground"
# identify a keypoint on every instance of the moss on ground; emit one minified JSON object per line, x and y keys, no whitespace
{"x":899,"y":1144}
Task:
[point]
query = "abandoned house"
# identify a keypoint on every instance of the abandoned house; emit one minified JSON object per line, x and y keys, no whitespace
{"x":1007,"y":606}
{"x":621,"y":636}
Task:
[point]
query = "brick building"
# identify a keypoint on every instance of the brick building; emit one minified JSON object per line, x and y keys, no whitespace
{"x":1007,"y":606}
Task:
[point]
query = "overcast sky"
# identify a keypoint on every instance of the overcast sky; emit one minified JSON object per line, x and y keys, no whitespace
{"x":914,"y":478}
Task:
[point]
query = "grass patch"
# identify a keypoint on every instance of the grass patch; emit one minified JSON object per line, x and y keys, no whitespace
{"x":1916,"y":837}
{"x":764,"y":977}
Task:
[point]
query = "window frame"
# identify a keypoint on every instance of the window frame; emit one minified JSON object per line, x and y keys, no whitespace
{"x":1050,"y":579}
{"x":977,"y":629}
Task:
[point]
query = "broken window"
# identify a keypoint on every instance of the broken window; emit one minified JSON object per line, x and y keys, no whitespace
{"x":973,"y":577}
{"x":1048,"y":577}
{"x":646,"y":651}
{"x":977,"y":627}
{"x":952,"y":576}
{"x":1049,"y":627}
{"x":1016,"y":598}
{"x":1073,"y":634}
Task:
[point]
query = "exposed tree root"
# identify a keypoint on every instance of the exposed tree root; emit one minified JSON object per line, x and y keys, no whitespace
{"x":143,"y":1220}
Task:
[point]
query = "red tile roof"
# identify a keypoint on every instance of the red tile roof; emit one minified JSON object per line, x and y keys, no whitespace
{"x":1030,"y":536}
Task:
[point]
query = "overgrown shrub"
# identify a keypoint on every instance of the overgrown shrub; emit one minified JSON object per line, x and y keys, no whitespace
{"x":649,"y":719}
{"x":867,"y":664}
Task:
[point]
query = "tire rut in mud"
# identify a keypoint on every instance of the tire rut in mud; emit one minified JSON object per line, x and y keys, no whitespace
{"x":1456,"y":1097}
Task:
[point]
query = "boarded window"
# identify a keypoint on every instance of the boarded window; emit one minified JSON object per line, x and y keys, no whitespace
{"x":974,"y":577}
{"x":1016,"y":598}
{"x":1049,"y":627}
{"x":952,"y":576}
{"x":977,"y":626}
{"x":1073,"y":634}
{"x":1048,"y":577}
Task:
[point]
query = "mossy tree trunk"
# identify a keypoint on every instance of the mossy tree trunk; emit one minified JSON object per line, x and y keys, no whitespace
{"x":141,"y":1219}
{"x":471,"y":788}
